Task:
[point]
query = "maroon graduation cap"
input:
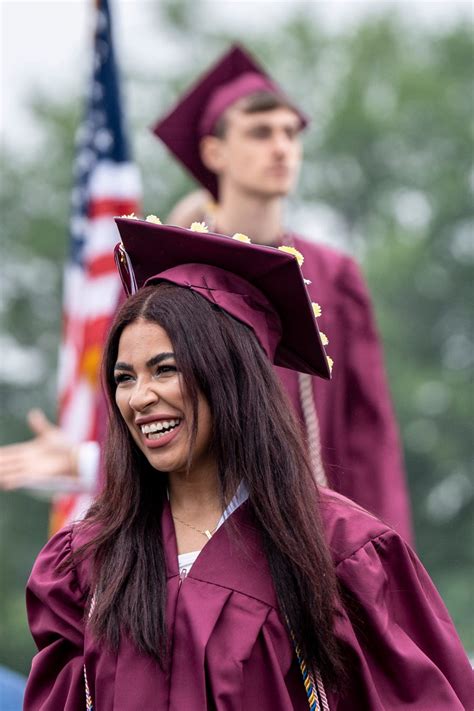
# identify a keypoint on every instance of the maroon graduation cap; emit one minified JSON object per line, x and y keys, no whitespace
{"x":261,"y":286}
{"x":233,"y":77}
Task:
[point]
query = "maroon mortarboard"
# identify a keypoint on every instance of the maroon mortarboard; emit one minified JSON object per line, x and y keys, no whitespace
{"x":261,"y":286}
{"x":233,"y":77}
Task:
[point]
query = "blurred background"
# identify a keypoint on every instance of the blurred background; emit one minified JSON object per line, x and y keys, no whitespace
{"x":388,"y":177}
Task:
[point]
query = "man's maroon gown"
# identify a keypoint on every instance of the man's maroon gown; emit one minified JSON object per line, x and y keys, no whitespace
{"x":360,"y":447}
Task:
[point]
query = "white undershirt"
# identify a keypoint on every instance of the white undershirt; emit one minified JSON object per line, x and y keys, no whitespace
{"x":186,"y":560}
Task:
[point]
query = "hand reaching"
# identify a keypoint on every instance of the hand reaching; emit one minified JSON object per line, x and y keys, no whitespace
{"x":47,"y":459}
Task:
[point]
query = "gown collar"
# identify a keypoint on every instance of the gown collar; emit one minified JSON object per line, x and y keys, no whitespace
{"x":234,"y":557}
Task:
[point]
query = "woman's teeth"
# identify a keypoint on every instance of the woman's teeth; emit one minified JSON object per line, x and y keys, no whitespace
{"x":155,"y":430}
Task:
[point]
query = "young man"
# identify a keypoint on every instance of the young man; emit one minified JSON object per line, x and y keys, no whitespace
{"x":239,"y":136}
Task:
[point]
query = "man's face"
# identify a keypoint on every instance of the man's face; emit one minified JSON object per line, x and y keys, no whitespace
{"x":260,"y":153}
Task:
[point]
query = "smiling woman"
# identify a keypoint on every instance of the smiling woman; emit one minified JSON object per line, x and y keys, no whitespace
{"x":149,"y":394}
{"x":212,"y":572}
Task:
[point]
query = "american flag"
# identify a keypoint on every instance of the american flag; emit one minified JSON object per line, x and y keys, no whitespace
{"x":106,"y":184}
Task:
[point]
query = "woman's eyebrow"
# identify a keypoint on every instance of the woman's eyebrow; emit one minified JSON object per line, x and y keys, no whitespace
{"x":155,"y":360}
{"x":122,"y":366}
{"x":158,"y":359}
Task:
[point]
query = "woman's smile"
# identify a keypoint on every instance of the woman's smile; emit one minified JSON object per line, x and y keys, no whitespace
{"x":158,"y":431}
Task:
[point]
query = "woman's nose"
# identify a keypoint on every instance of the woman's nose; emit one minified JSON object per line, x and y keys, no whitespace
{"x":143,"y":396}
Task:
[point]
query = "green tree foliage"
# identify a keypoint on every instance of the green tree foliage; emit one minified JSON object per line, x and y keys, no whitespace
{"x":388,"y":172}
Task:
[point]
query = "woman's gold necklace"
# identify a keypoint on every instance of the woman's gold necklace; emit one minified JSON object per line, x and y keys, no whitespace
{"x":207,"y":533}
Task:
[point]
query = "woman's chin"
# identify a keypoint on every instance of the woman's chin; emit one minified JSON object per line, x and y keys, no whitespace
{"x":168,"y":465}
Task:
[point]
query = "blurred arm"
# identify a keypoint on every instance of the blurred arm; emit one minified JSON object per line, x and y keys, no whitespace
{"x":49,"y":460}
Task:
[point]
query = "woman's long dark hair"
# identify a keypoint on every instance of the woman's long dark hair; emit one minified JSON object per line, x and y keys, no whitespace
{"x":255,"y":439}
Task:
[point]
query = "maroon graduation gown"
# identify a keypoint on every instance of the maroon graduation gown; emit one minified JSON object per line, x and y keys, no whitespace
{"x":230,"y":650}
{"x":360,"y":446}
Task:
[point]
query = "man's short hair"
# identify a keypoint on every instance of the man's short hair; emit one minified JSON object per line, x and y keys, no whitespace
{"x":254,"y":103}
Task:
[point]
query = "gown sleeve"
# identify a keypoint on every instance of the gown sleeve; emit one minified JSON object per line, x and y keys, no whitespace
{"x":403,"y":650}
{"x":373,"y":450}
{"x":55,"y":606}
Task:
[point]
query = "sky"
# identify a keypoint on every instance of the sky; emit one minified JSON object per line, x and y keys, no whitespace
{"x":44,"y":42}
